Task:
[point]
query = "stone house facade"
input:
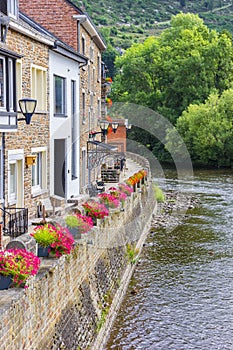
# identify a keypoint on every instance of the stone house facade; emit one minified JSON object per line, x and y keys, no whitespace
{"x":74,"y":27}
{"x":24,"y":64}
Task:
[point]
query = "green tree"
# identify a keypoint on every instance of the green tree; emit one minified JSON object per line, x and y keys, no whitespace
{"x":207,"y":131}
{"x":181,"y":66}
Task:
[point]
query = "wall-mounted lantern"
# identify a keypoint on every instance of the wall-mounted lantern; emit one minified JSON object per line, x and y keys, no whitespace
{"x":114,"y":126}
{"x":27,"y":107}
{"x":30,"y":160}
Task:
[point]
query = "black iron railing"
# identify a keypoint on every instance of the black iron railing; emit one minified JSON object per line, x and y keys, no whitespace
{"x":15,"y":221}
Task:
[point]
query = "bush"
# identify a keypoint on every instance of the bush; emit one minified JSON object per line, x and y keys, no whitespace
{"x":159,"y":195}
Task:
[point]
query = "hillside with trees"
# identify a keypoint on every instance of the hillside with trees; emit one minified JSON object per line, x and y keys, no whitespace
{"x":130,"y":21}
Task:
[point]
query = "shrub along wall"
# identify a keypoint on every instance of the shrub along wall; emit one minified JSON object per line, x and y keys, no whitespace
{"x":72,"y":302}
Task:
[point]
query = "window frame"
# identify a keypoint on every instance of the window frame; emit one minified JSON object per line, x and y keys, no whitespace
{"x":99,"y":68}
{"x":63,"y":93}
{"x":74,"y":142}
{"x":9,"y":84}
{"x":12,"y":197}
{"x":84,"y":107}
{"x":39,"y":171}
{"x":83,"y":45}
{"x":12,"y":4}
{"x":3,"y":85}
{"x":39,"y":87}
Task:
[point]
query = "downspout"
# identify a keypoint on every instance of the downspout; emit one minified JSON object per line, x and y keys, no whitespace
{"x":3,"y":222}
{"x":80,"y":19}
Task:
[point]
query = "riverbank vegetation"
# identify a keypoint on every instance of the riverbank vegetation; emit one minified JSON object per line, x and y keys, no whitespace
{"x":185,"y":74}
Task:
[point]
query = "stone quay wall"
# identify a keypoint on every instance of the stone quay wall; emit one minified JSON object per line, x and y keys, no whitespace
{"x":72,"y":302}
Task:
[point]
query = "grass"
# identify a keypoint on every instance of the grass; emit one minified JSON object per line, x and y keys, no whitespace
{"x":132,"y":253}
{"x":159,"y":195}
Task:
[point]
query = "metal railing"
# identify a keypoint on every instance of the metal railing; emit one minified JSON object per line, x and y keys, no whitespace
{"x":15,"y":221}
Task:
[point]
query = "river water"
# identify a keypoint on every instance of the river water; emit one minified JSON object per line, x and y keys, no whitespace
{"x":181,"y":294}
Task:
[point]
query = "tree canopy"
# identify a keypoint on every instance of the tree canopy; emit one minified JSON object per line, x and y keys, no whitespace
{"x":207,"y":130}
{"x":183,"y":65}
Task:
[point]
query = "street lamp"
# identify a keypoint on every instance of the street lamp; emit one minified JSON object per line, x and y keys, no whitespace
{"x":104,"y":124}
{"x":27,"y":107}
{"x":114,"y":127}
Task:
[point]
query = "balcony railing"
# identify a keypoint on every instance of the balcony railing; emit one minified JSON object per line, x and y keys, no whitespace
{"x":15,"y":221}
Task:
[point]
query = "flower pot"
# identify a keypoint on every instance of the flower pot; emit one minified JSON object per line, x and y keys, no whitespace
{"x":43,"y":252}
{"x":94,"y":219}
{"x":5,"y":281}
{"x":75,"y":232}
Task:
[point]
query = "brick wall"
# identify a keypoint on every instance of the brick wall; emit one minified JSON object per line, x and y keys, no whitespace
{"x":37,"y":133}
{"x":119,"y":138}
{"x":72,"y":302}
{"x":54,"y":15}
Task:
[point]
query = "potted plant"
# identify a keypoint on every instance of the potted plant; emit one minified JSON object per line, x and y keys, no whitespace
{"x":95,"y":210}
{"x":109,"y":200}
{"x":17,"y":265}
{"x":120,"y":195}
{"x":125,"y":189}
{"x":63,"y":243}
{"x":78,"y":224}
{"x":56,"y":240}
{"x":72,"y":224}
{"x":44,"y":235}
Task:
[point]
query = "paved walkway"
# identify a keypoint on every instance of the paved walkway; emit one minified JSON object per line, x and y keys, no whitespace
{"x":131,"y":168}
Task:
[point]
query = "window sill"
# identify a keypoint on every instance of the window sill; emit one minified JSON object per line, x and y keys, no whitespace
{"x":60,"y":116}
{"x":38,"y":193}
{"x":11,"y":202}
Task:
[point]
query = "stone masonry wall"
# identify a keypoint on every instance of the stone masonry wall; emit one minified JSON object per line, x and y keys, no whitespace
{"x":37,"y":133}
{"x":72,"y":302}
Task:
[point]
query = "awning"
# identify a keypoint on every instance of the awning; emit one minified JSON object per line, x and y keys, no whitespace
{"x":97,"y":151}
{"x":103,"y":145}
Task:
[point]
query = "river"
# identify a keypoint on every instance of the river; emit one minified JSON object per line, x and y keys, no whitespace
{"x":181,"y":294}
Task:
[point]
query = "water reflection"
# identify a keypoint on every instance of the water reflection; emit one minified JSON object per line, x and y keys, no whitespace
{"x":184,"y":283}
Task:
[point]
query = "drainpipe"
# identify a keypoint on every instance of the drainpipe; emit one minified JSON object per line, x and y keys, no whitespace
{"x":80,"y":19}
{"x":2,"y":165}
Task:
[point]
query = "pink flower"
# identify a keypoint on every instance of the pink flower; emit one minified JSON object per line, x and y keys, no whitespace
{"x":95,"y":209}
{"x":109,"y":199}
{"x":19,"y":263}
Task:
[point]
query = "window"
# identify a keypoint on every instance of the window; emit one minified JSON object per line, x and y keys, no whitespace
{"x":59,"y":95}
{"x":9,"y":7}
{"x":7,"y":84}
{"x":2,"y":83}
{"x":89,"y":78}
{"x":13,"y":182}
{"x":99,"y":68}
{"x":10,"y":85}
{"x":39,"y":87}
{"x":3,"y":6}
{"x":39,"y":170}
{"x":83,"y":107}
{"x":12,"y":8}
{"x":91,"y":53}
{"x":74,"y":155}
{"x":15,"y":177}
{"x":19,"y":79}
{"x":83,"y":45}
